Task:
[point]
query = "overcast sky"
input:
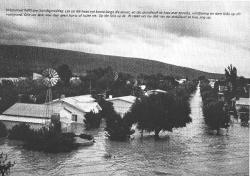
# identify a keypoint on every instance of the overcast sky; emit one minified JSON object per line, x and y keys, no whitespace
{"x":208,"y":45}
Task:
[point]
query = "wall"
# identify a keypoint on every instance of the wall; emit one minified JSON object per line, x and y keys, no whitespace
{"x":121,"y":107}
{"x":80,"y":114}
{"x":10,"y":124}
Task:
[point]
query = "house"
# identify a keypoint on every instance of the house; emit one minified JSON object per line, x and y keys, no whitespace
{"x":36,"y":115}
{"x":181,"y":81}
{"x":156,"y":91}
{"x":78,"y":106}
{"x":242,"y":106}
{"x":12,"y":79}
{"x":221,"y":96}
{"x":212,"y":82}
{"x":36,"y":76}
{"x":242,"y":103}
{"x":122,"y":104}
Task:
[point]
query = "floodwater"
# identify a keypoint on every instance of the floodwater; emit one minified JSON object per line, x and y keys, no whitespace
{"x":185,"y":151}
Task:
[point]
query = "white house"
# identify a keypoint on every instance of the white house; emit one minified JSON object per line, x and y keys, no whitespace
{"x":122,"y":104}
{"x":78,"y":106}
{"x":36,"y":115}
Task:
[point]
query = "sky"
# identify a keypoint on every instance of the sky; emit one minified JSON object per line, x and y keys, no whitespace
{"x":207,"y":45}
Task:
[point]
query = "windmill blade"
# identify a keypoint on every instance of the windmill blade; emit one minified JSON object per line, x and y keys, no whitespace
{"x":116,"y":75}
{"x":50,"y":77}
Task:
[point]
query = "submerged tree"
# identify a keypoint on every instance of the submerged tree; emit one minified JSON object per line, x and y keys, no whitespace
{"x":92,"y":120}
{"x":117,"y":128}
{"x":216,"y":115}
{"x":231,"y":76}
{"x":159,"y":112}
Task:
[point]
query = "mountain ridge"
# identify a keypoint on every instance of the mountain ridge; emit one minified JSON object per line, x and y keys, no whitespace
{"x":16,"y":59}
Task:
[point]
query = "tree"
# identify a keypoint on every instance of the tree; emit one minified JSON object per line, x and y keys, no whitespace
{"x":159,"y":112}
{"x":92,"y":120}
{"x":117,"y":128}
{"x":231,"y":76}
{"x":64,"y":73}
{"x":8,"y":95}
{"x":3,"y":130}
{"x":216,"y":115}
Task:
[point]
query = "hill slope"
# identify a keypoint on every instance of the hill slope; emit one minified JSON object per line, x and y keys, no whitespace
{"x":15,"y":59}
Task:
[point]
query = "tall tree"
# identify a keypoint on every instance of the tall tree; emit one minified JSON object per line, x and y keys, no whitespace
{"x":231,"y":76}
{"x":216,"y":115}
{"x":64,"y":73}
{"x":159,"y":112}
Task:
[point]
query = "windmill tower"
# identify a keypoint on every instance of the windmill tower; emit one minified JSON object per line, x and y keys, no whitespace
{"x":50,"y":78}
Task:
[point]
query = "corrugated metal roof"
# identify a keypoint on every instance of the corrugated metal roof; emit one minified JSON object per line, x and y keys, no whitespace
{"x":84,"y":103}
{"x":243,"y":101}
{"x":32,"y":110}
{"x":130,"y":98}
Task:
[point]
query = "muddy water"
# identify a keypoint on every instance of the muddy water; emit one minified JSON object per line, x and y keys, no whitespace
{"x":186,"y":151}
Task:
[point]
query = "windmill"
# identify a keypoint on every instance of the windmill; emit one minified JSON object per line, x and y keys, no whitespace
{"x":50,"y":78}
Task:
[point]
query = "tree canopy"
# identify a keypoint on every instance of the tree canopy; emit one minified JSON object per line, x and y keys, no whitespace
{"x":64,"y":73}
{"x":160,"y":112}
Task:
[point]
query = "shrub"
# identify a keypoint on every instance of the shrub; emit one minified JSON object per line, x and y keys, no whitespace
{"x":20,"y":132}
{"x":45,"y":139}
{"x":3,"y":130}
{"x":5,"y":164}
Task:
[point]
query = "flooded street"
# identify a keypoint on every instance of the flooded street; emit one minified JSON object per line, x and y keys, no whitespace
{"x":185,"y":151}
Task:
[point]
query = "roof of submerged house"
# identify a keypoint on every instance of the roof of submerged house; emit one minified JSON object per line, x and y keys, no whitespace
{"x":31,"y":110}
{"x":84,"y":103}
{"x":130,"y":99}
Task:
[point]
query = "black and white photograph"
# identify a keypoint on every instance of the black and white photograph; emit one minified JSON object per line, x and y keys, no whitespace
{"x":124,"y":88}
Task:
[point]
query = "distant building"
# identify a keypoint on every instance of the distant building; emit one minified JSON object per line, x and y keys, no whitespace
{"x":212,"y":82}
{"x":78,"y":106}
{"x":242,"y":103}
{"x":223,"y":88}
{"x":36,"y":115}
{"x":12,"y":79}
{"x":36,"y":76}
{"x":122,"y":104}
{"x":221,"y":96}
{"x":242,"y":106}
{"x":181,"y":81}
{"x":156,"y":91}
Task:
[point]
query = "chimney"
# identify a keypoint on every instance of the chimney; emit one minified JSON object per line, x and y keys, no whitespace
{"x":110,"y":96}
